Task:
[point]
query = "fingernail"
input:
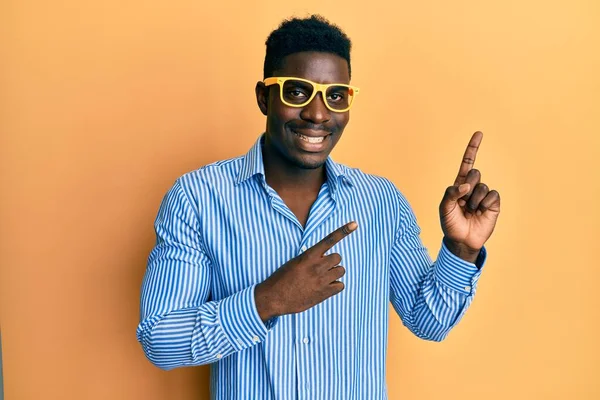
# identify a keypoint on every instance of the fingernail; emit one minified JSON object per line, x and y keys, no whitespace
{"x":352,"y":225}
{"x":462,"y":202}
{"x":479,"y":213}
{"x":464,"y":187}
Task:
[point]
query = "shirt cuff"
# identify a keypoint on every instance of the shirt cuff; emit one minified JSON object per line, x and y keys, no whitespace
{"x":457,"y":273}
{"x":240,"y":320}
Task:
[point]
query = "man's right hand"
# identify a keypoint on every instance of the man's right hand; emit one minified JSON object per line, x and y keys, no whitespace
{"x":304,"y":281}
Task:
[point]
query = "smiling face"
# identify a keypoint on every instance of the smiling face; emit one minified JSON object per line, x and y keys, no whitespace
{"x":304,"y":137}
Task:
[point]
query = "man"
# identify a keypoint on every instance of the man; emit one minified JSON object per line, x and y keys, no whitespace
{"x":277,"y":267}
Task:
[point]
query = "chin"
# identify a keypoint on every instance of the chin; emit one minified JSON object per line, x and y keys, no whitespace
{"x":310,"y":162}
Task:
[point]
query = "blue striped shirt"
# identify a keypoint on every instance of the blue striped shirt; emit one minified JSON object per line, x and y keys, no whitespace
{"x":222,"y":229}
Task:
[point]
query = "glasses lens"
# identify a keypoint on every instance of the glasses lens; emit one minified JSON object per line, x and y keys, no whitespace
{"x":296,"y":92}
{"x":340,"y":97}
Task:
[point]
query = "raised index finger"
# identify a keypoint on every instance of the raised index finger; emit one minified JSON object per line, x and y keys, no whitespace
{"x":468,"y":158}
{"x":334,"y":237}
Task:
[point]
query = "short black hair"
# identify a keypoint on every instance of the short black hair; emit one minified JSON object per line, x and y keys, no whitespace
{"x":295,"y":35}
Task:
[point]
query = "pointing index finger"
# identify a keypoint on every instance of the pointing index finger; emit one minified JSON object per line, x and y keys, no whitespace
{"x":334,"y":237}
{"x":468,"y":158}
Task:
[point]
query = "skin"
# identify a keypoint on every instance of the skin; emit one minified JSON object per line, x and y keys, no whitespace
{"x":468,"y":210}
{"x":295,"y":174}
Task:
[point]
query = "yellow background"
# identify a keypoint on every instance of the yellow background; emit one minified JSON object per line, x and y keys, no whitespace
{"x":104,"y":104}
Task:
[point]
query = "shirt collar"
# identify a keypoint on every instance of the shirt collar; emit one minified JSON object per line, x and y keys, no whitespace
{"x":252,"y":164}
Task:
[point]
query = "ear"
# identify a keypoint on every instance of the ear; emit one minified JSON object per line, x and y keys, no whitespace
{"x":262,"y":97}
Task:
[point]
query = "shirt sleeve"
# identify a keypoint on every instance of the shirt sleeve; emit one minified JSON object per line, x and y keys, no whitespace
{"x":178,"y":325}
{"x":429,"y":297}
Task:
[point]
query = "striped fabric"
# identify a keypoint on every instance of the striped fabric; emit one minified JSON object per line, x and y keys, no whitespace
{"x":221,"y":230}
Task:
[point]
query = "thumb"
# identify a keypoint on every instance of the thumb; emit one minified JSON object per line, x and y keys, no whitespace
{"x":453,"y":193}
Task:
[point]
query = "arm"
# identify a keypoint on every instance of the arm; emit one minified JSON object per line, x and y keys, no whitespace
{"x":179,"y":326}
{"x":430,"y":298}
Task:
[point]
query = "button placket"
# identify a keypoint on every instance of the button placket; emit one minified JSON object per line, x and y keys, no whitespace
{"x":302,"y":355}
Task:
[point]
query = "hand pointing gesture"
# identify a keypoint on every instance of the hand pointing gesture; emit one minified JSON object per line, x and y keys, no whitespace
{"x":469,"y":210}
{"x":303,"y":281}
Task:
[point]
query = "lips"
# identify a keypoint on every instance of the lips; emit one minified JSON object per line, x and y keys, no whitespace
{"x":311,"y":132}
{"x":310,"y":140}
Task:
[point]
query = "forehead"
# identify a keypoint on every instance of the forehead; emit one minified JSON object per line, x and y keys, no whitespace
{"x":316,"y":66}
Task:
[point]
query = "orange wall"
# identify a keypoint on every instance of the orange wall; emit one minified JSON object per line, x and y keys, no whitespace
{"x":104,"y":104}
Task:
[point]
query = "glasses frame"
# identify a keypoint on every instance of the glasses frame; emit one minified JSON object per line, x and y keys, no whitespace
{"x":317,"y":88}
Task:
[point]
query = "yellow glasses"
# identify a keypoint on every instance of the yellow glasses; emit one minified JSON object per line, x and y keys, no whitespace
{"x":298,"y":92}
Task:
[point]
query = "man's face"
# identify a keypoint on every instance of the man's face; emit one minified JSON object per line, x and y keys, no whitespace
{"x":289,"y":128}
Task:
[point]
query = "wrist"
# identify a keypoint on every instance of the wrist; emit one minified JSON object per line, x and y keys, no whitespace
{"x":461,"y":250}
{"x":265,"y":306}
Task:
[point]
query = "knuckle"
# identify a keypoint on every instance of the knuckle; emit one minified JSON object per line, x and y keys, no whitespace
{"x":337,"y":287}
{"x":330,"y":239}
{"x":483,"y":187}
{"x":336,"y":258}
{"x":473,"y":173}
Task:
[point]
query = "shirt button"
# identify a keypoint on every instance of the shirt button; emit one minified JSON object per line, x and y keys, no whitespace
{"x":219,"y":356}
{"x":468,"y":288}
{"x":305,"y":340}
{"x":303,"y":249}
{"x":255,"y":339}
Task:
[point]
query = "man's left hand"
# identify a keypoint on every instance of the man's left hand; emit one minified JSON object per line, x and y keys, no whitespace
{"x":469,"y":209}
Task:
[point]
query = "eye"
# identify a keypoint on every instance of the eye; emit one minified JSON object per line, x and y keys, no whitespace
{"x":336,"y":97}
{"x":296,"y":93}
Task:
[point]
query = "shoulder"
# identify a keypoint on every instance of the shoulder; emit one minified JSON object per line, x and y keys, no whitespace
{"x":218,"y":172}
{"x":204,"y":181}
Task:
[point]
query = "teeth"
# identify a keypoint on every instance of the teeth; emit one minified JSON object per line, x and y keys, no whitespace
{"x":311,"y":139}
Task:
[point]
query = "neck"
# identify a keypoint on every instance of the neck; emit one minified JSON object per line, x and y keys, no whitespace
{"x":283,"y":176}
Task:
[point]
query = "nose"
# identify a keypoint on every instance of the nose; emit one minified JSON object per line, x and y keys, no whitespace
{"x":316,"y":111}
